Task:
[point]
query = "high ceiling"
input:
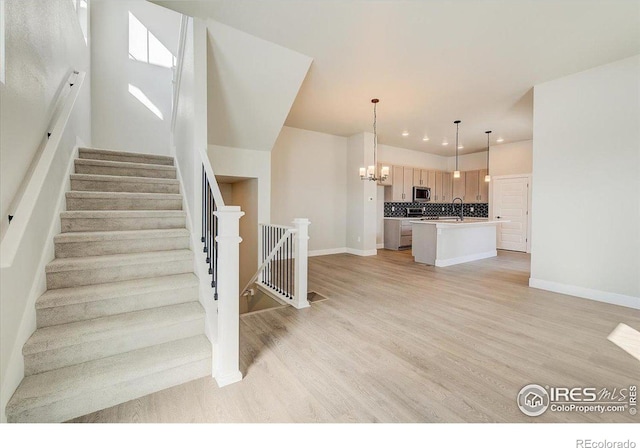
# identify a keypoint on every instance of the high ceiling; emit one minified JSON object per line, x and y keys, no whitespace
{"x":431,"y":62}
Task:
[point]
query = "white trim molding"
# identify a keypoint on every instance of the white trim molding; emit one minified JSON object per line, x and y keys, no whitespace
{"x":586,"y":293}
{"x":320,"y":252}
{"x":529,"y":177}
{"x":362,"y":253}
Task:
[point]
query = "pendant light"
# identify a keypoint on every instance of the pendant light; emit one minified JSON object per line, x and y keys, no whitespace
{"x":370,"y":172}
{"x":456,"y":173}
{"x":487,"y":177}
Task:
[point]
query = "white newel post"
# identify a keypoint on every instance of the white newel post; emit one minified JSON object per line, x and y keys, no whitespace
{"x":301,"y":262}
{"x":227,"y":351}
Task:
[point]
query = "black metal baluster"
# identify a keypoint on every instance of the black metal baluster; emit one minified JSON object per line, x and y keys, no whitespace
{"x":286,"y":266}
{"x":274,"y":267}
{"x":280,"y":262}
{"x":211,"y":242}
{"x":215,"y":246}
{"x":268,"y":267}
{"x":203,"y":202}
{"x":271,"y":261}
{"x":291,"y":266}
{"x":207,"y":215}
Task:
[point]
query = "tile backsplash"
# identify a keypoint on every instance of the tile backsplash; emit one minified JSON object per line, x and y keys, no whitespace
{"x":399,"y":209}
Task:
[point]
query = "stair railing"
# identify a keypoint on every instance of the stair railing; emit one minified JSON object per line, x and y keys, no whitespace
{"x":283,"y":256}
{"x":218,"y":267}
{"x":280,"y":280}
{"x":210,"y":230}
{"x":13,"y":228}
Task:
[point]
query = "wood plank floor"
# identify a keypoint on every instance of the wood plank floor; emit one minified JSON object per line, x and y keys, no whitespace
{"x":403,"y":342}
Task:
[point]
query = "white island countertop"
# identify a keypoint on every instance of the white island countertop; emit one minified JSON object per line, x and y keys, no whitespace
{"x":467,"y":222}
{"x":445,"y":242}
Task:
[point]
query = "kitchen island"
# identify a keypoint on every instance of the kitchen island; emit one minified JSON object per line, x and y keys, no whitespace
{"x":446,"y":242}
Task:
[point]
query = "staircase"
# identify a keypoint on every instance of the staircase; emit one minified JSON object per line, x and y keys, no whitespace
{"x":120,"y":318}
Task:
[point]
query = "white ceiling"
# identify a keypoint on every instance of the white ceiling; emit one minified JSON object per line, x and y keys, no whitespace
{"x":432,"y":62}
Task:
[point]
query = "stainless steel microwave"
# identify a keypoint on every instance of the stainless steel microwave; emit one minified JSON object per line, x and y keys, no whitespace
{"x":421,"y":194}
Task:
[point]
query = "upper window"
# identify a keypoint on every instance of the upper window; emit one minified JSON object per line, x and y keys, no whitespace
{"x":145,"y":47}
{"x":2,"y":57}
{"x":82,"y":9}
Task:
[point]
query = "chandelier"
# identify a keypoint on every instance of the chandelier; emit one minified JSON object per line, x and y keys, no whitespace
{"x":370,"y":173}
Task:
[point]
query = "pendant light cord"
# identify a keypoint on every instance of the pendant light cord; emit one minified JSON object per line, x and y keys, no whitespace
{"x":457,"y":127}
{"x":488,"y":147}
{"x":375,"y":140}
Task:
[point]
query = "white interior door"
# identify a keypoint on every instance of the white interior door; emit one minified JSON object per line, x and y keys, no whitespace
{"x":511,"y":202}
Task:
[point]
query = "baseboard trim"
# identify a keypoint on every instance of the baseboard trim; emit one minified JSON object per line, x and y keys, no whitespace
{"x":586,"y":293}
{"x":345,"y":250}
{"x":465,"y":258}
{"x":362,"y":253}
{"x":380,"y":246}
{"x":320,"y":252}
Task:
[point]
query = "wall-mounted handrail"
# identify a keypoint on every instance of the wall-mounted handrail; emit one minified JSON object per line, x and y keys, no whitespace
{"x":289,"y":231}
{"x":23,"y":205}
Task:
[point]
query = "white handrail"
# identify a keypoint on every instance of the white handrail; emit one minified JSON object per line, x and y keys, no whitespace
{"x":215,"y":188}
{"x":177,"y":77}
{"x":276,"y":226}
{"x":272,"y":254}
{"x":26,"y":203}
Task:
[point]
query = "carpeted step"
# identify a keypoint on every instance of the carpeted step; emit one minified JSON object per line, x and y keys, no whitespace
{"x":106,"y":220}
{"x":96,"y":200}
{"x":65,"y":305}
{"x":109,"y":168}
{"x":122,"y":156}
{"x":88,"y":244}
{"x":80,"y":271}
{"x":65,"y":345}
{"x":97,"y":182}
{"x":70,"y":392}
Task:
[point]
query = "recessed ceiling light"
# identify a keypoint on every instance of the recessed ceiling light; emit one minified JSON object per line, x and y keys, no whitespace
{"x":405,"y":134}
{"x":460,"y":147}
{"x":425,"y":139}
{"x":500,"y":140}
{"x":445,"y":143}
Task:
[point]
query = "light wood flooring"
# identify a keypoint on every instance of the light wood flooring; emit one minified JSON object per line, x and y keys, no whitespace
{"x":403,"y":342}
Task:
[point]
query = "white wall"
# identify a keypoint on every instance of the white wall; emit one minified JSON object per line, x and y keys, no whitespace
{"x":238,"y":162}
{"x":189,"y":142}
{"x":309,"y":180}
{"x":244,"y":194}
{"x":511,"y":158}
{"x":361,"y":197}
{"x":252,"y":86}
{"x":586,"y":177}
{"x":44,"y":43}
{"x":226,"y":190}
{"x":121,"y":120}
{"x":408,"y":157}
{"x":507,"y":158}
{"x":468,"y":162}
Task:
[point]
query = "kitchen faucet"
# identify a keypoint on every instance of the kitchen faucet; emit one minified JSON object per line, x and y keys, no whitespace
{"x":453,"y":207}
